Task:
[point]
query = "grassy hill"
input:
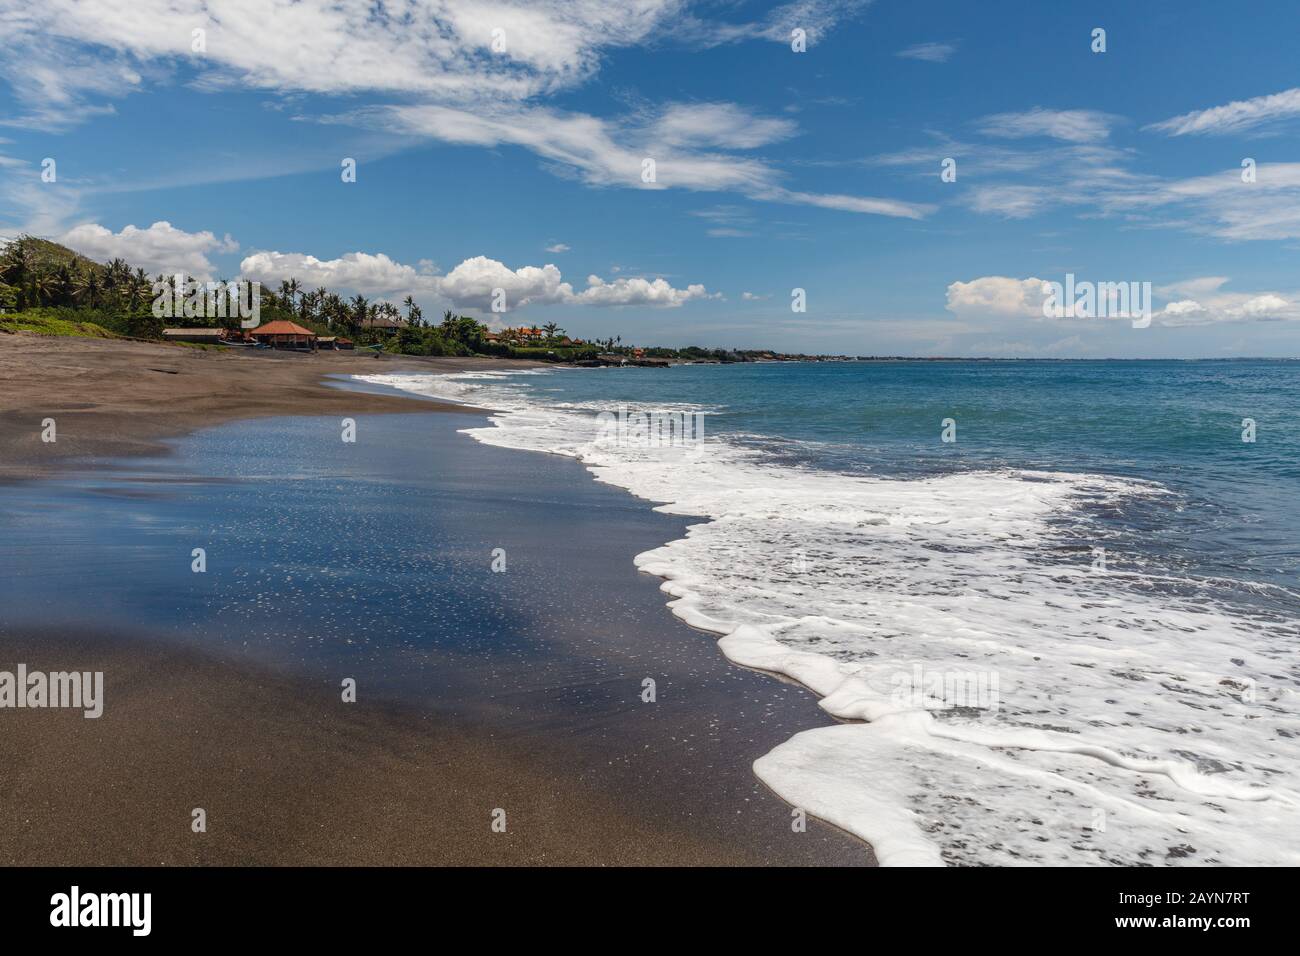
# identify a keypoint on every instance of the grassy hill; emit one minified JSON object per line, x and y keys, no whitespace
{"x":47,"y":256}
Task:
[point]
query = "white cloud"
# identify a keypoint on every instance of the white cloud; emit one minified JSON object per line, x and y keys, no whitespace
{"x":609,"y":153}
{"x":929,"y":52}
{"x":1098,"y":181}
{"x":372,"y":274}
{"x":997,"y":295}
{"x":435,"y":59}
{"x":28,"y":205}
{"x":724,"y":125}
{"x":1203,"y":301}
{"x":160,"y":248}
{"x":556,"y":249}
{"x":439,"y":48}
{"x":864,"y":204}
{"x":1219,"y":204}
{"x":1013,"y":202}
{"x":1071,"y":126}
{"x":66,"y":56}
{"x":1208,"y":303}
{"x":636,"y":291}
{"x":815,"y":17}
{"x":1235,"y":117}
{"x":472,"y":284}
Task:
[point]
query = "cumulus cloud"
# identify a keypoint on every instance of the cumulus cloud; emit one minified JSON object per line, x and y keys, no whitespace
{"x":635,"y":291}
{"x":372,"y":274}
{"x":1207,"y":302}
{"x":1234,"y":117}
{"x":1200,"y":301}
{"x":472,"y":284}
{"x":997,"y":295}
{"x":160,"y":248}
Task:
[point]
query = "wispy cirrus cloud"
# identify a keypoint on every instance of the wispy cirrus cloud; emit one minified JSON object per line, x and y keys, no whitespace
{"x":1071,"y":126}
{"x":928,"y":52}
{"x":65,"y":57}
{"x":815,"y":18}
{"x":692,"y":146}
{"x":459,"y":71}
{"x":1235,"y":117}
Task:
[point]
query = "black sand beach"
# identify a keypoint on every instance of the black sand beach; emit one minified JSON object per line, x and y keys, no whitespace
{"x":477,"y":690}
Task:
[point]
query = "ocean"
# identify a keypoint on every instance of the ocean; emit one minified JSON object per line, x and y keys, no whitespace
{"x":1054,"y":605}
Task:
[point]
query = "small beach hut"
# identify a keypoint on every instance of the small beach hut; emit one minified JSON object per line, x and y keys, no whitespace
{"x":285,"y":335}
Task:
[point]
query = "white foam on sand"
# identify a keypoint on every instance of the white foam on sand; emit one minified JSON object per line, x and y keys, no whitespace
{"x":1009,"y":703}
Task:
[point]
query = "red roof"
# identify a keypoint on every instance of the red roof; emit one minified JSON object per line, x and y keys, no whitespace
{"x":281,"y":327}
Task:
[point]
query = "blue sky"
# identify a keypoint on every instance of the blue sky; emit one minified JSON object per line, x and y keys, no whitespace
{"x":520,"y":168}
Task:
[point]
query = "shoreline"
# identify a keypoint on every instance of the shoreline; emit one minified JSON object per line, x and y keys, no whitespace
{"x":398,"y":759}
{"x":113,"y":399}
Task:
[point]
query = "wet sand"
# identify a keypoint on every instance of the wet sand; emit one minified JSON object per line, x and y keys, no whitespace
{"x":288,"y":775}
{"x":519,"y":691}
{"x":112,"y":397}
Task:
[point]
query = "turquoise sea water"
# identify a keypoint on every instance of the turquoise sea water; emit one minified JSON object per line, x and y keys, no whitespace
{"x":1177,"y":423}
{"x":1067,"y":636}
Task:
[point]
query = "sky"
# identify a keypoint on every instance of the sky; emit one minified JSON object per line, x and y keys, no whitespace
{"x":684,"y":173}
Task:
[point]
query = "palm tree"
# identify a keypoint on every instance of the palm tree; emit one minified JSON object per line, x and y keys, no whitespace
{"x":306,"y":305}
{"x":360,"y":310}
{"x":63,"y":286}
{"x":87,"y":287}
{"x":138,"y":289}
{"x":16,"y":263}
{"x":43,"y":287}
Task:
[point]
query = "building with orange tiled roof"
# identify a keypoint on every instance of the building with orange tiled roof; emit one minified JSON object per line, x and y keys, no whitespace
{"x":281,"y":334}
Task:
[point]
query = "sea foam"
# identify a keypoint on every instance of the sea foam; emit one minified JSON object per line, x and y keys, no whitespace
{"x":1004,"y":702}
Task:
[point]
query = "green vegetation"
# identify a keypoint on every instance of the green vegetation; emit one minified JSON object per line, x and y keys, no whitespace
{"x":48,"y":288}
{"x":53,"y":322}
